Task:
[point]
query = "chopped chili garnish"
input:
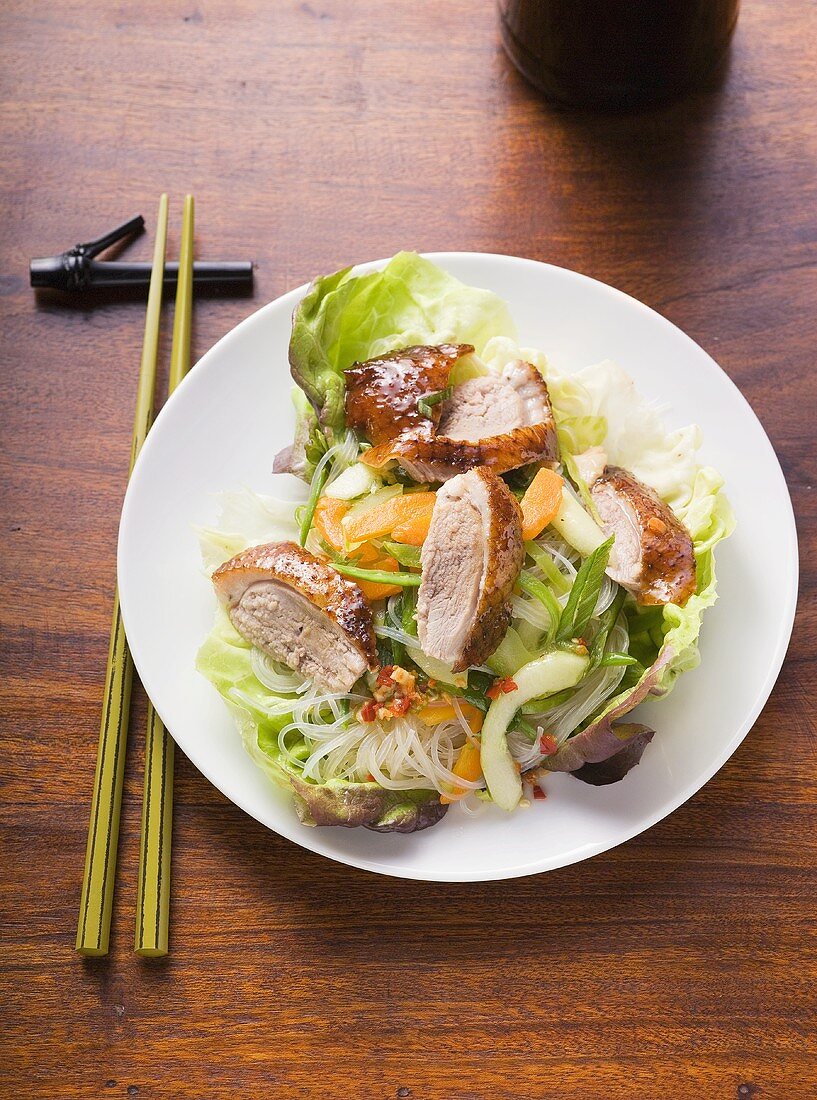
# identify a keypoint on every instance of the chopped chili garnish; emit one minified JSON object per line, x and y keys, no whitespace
{"x":501,"y":687}
{"x":400,"y":705}
{"x":384,"y":675}
{"x":538,"y":792}
{"x":548,"y":744}
{"x":368,"y":712}
{"x":370,"y":778}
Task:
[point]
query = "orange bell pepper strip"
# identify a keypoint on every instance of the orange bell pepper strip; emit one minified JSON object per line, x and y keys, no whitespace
{"x":434,"y":713}
{"x":541,"y":502}
{"x":410,"y":513}
{"x":468,"y":765}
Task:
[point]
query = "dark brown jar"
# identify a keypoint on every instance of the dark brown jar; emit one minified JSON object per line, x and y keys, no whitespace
{"x":617,"y":53}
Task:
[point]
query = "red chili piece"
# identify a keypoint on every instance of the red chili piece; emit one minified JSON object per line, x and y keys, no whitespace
{"x":368,"y":712}
{"x":400,"y":705}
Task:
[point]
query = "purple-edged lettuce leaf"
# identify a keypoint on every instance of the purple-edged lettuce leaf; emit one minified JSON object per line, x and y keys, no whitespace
{"x":603,"y":738}
{"x":613,"y":768}
{"x":353,"y":804}
{"x":296,"y":458}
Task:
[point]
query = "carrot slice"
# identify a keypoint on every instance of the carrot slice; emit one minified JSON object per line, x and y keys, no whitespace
{"x":411,"y":511}
{"x":468,"y":765}
{"x":328,"y":514}
{"x":414,"y":531}
{"x":327,"y":522}
{"x":373,"y":590}
{"x":541,"y":502}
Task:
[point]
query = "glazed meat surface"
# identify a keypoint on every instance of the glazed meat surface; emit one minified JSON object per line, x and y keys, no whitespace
{"x":652,"y":555}
{"x":293,"y":606}
{"x":382,"y":395}
{"x":499,"y":421}
{"x":471,"y":560}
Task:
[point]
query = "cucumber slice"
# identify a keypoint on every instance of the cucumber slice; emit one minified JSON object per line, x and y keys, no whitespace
{"x":353,"y":482}
{"x":436,"y":670}
{"x":555,"y":671}
{"x":577,"y":527}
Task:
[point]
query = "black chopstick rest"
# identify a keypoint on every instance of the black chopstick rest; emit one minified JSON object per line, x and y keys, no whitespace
{"x":78,"y":270}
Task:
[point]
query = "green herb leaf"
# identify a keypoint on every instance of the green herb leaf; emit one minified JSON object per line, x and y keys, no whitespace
{"x":427,"y":403}
{"x":584,"y":594}
{"x":615,"y":658}
{"x":524,"y":727}
{"x":409,"y":605}
{"x":606,"y":624}
{"x":316,"y":446}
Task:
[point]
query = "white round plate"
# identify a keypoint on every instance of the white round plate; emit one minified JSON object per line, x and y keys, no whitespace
{"x":221,"y":429}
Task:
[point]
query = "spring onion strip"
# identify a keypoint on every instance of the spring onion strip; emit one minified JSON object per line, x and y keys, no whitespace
{"x":541,"y":592}
{"x":552,"y":573}
{"x":379,"y":576}
{"x":332,"y":463}
{"x":319,"y":479}
{"x":427,"y":403}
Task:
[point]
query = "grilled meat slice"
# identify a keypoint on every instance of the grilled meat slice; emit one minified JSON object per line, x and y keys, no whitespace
{"x":301,"y":611}
{"x":471,"y":560}
{"x":500,"y":421}
{"x":590,"y":464}
{"x":382,"y":394}
{"x":652,"y":555}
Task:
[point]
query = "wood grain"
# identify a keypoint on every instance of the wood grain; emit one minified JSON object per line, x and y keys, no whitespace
{"x":683,"y":964}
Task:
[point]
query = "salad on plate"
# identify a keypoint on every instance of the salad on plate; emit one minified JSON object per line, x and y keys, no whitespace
{"x":492,"y":563}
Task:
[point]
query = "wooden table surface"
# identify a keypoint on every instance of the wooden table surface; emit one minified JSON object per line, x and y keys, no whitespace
{"x":683,"y":964}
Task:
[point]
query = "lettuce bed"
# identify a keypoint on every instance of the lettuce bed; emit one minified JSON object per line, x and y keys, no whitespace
{"x":344,"y":318}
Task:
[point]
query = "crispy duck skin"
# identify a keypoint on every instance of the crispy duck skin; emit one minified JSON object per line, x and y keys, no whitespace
{"x":653,"y":556}
{"x":301,"y":611}
{"x":382,"y":395}
{"x":471,"y":560}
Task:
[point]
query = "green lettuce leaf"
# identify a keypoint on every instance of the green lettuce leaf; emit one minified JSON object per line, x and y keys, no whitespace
{"x":601,"y":406}
{"x":345,"y":318}
{"x":245,"y":519}
{"x":225,"y":660}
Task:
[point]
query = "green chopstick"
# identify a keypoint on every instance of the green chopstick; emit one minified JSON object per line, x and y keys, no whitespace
{"x":153,"y":891}
{"x":96,"y":898}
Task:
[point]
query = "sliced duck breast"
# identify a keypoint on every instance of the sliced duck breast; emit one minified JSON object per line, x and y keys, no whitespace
{"x":301,"y":611}
{"x":471,"y":559}
{"x":502,"y":421}
{"x":652,"y":555}
{"x":590,"y":464}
